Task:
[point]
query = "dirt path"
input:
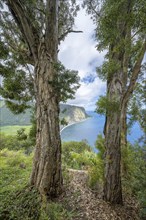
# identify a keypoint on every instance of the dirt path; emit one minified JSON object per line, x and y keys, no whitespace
{"x":89,"y":205}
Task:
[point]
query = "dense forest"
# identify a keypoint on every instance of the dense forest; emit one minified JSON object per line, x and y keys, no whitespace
{"x":41,"y":177}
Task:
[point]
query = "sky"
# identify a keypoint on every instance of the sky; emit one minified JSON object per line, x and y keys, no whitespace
{"x":78,"y":52}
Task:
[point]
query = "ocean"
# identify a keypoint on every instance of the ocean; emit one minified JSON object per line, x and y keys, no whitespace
{"x":91,"y":127}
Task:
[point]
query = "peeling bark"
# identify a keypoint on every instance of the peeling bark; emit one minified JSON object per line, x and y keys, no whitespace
{"x":117,"y":89}
{"x":46,"y":174}
{"x":115,"y":128}
{"x":112,"y":185}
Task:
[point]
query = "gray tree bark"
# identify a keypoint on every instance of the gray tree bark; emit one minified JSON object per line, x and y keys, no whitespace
{"x":114,"y":128}
{"x":46,"y":173}
{"x":112,"y":184}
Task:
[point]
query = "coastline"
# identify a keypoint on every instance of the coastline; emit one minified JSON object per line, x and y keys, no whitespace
{"x":73,"y":124}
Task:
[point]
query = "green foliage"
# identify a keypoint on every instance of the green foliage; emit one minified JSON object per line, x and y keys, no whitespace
{"x":73,"y":154}
{"x":95,"y":172}
{"x":16,"y":143}
{"x":55,"y":211}
{"x":9,"y":142}
{"x":67,"y":12}
{"x":136,"y":104}
{"x":16,"y":87}
{"x":15,"y":167}
{"x":21,"y":135}
{"x":134,"y":173}
{"x":63,"y":122}
{"x":24,"y":204}
{"x":121,"y":30}
{"x":12,"y":130}
{"x":66,"y":83}
{"x":78,"y":155}
{"x":106,"y":106}
{"x":107,"y":70}
{"x":100,"y":146}
{"x":17,"y":66}
{"x":17,"y":199}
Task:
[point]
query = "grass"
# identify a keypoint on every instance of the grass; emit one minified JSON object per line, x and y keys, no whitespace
{"x":19,"y":201}
{"x":12,"y":130}
{"x":15,"y":168}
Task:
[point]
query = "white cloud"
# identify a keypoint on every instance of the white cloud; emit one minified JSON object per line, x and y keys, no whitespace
{"x":87,"y":94}
{"x":78,"y":52}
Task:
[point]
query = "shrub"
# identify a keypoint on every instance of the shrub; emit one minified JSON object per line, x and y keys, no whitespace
{"x":96,"y":174}
{"x":9,"y":142}
{"x":55,"y":211}
{"x":23,"y":204}
{"x":134,"y":173}
{"x":72,"y":154}
{"x":79,"y":155}
{"x":18,"y":142}
{"x":21,"y":135}
{"x":100,"y":146}
{"x":16,"y":200}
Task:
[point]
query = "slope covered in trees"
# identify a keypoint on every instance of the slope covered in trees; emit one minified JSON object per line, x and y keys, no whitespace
{"x":67,"y":112}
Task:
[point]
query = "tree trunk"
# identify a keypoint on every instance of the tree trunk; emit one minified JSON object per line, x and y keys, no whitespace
{"x":112,"y":185}
{"x":115,"y":126}
{"x":46,"y":174}
{"x":124,"y":168}
{"x":124,"y":126}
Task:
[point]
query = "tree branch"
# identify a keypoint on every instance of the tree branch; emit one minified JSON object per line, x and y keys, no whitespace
{"x":135,"y":74}
{"x":62,"y":37}
{"x":20,"y":15}
{"x":51,"y":32}
{"x":93,"y":8}
{"x":138,"y":31}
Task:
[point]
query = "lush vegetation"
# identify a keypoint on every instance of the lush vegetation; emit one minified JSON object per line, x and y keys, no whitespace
{"x":8,"y":118}
{"x":12,"y":130}
{"x":18,"y":200}
{"x":120,"y":32}
{"x":31,"y":72}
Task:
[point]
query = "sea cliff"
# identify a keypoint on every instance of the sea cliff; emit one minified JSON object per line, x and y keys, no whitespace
{"x":70,"y":114}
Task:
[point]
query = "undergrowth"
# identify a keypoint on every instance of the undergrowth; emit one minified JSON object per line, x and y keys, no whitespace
{"x":19,"y":201}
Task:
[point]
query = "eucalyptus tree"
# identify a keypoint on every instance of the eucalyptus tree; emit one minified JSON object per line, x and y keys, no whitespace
{"x":121,"y":31}
{"x":30,"y":34}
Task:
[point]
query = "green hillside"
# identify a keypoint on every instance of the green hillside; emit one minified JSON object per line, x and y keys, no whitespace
{"x":12,"y":130}
{"x":8,"y":118}
{"x":68,"y":112}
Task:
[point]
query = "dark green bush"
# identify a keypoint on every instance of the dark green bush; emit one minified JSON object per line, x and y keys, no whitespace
{"x":23,"y":204}
{"x":21,"y":135}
